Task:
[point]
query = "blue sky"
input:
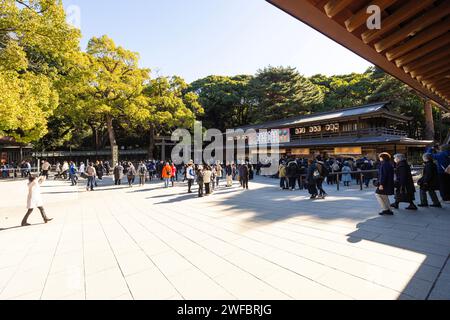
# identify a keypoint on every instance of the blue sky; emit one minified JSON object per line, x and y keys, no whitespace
{"x":197,"y":38}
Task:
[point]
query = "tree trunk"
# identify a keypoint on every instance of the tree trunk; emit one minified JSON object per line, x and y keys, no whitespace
{"x":151,"y":148}
{"x":112,"y":138}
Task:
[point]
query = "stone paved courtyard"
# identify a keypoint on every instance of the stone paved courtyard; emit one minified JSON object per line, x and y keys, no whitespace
{"x":153,"y":243}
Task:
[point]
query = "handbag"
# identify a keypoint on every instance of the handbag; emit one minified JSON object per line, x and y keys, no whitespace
{"x":447,"y":170}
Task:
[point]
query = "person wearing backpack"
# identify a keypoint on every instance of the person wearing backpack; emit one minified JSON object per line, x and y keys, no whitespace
{"x":142,"y":169}
{"x":131,"y":174}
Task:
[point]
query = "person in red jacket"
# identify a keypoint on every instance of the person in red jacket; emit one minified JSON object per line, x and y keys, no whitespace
{"x":174,"y":174}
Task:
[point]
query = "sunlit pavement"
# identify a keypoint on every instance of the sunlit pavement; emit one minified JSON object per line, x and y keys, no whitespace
{"x":156,"y":243}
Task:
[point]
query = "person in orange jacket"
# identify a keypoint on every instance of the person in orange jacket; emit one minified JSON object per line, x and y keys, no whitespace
{"x":166,"y":174}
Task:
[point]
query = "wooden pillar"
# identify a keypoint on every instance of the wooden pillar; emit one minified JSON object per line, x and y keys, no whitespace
{"x":429,"y":121}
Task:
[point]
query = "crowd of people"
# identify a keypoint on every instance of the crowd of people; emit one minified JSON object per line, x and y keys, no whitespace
{"x":394,"y":177}
{"x":313,"y":173}
{"x":207,"y":176}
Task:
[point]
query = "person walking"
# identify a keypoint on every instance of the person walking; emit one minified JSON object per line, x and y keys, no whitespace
{"x":282,"y":176}
{"x":200,"y":180}
{"x":367,"y":176}
{"x":65,"y":170}
{"x":229,"y":175}
{"x":385,"y":183}
{"x":34,"y":199}
{"x":442,"y":158}
{"x":291,"y":173}
{"x":73,"y":173}
{"x":310,"y":179}
{"x":429,"y":183}
{"x":219,"y":174}
{"x":100,"y":170}
{"x":190,"y":176}
{"x":82,"y":168}
{"x":207,"y":174}
{"x":346,"y":174}
{"x":118,"y":174}
{"x":404,"y":184}
{"x":173,"y":175}
{"x":166,"y":173}
{"x":91,"y":173}
{"x":142,"y":170}
{"x":244,"y":173}
{"x":46,"y":166}
{"x":320,"y":177}
{"x":131,"y":174}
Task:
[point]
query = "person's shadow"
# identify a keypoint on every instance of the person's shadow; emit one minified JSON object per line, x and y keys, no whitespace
{"x":19,"y":227}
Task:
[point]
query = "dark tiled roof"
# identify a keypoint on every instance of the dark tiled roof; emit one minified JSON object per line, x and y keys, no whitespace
{"x":354,"y":141}
{"x":325,"y":116}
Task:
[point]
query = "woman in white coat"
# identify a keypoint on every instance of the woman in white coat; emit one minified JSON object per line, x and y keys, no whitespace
{"x":34,"y":199}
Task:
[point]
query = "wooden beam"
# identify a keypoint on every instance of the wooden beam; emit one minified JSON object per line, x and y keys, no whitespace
{"x":410,"y":9}
{"x":360,"y":18}
{"x":423,"y":37}
{"x":309,"y":14}
{"x":420,"y":52}
{"x":429,"y":68}
{"x":429,"y":58}
{"x":435,"y":75}
{"x":414,"y":27}
{"x":437,"y":83}
{"x":434,"y":72}
{"x":333,"y":7}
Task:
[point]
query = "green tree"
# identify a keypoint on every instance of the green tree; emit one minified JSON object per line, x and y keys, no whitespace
{"x":225,"y":99}
{"x":36,"y":46}
{"x":281,"y":92}
{"x":113,"y":94}
{"x":168,"y":106}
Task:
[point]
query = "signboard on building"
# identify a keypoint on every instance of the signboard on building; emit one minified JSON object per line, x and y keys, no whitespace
{"x":348,"y":150}
{"x":331,"y":127}
{"x":268,"y":151}
{"x":301,"y":151}
{"x":275,"y":136}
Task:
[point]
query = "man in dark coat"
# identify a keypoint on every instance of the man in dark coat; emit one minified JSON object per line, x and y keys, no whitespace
{"x":385,"y":183}
{"x":429,"y":182}
{"x":442,"y":158}
{"x":405,"y":189}
{"x":291,"y":173}
{"x":244,"y":174}
{"x":310,"y":179}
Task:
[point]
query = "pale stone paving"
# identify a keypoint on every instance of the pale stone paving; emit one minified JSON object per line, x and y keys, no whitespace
{"x":155,"y":243}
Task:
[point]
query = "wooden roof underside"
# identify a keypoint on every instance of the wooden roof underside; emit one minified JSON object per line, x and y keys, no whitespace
{"x":412,"y":45}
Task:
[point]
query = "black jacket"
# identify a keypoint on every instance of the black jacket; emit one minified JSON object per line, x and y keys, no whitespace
{"x":292,"y":169}
{"x":430,"y":179}
{"x":386,"y":178}
{"x":405,"y":189}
